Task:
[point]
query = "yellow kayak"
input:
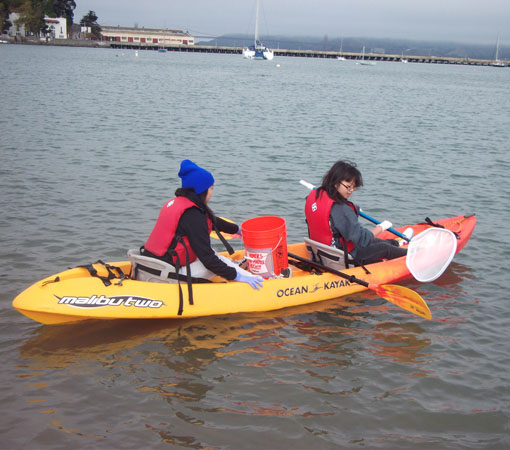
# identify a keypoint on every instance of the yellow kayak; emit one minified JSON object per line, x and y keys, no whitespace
{"x":76,"y":294}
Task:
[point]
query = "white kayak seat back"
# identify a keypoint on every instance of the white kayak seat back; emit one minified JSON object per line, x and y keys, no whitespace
{"x":138,"y":262}
{"x":326,"y":255}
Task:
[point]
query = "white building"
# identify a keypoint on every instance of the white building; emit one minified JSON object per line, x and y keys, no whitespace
{"x":57,"y":27}
{"x":15,"y":30}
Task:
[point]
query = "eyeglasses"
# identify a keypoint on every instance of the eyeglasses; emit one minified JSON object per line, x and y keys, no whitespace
{"x":349,"y":188}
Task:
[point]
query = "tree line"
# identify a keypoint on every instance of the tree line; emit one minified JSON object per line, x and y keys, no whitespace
{"x":32,"y":13}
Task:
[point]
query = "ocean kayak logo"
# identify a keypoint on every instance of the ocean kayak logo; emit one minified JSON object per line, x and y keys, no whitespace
{"x":336,"y":284}
{"x":289,"y":292}
{"x":100,"y":301}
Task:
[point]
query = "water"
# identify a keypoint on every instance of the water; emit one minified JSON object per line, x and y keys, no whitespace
{"x":91,"y":141}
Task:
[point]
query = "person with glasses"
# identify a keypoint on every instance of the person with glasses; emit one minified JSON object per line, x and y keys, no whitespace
{"x":332,"y":218}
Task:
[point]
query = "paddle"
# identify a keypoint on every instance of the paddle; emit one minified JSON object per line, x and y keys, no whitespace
{"x":399,"y":295}
{"x":362,"y":214}
{"x":227,"y":237}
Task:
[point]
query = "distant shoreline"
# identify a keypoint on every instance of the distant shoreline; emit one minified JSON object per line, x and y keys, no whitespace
{"x":277,"y":52}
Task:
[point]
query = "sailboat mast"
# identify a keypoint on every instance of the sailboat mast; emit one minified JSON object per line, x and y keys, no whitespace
{"x":497,"y":49}
{"x":257,"y":24}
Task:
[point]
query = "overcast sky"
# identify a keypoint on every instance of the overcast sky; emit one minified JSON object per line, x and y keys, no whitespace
{"x":469,"y":21}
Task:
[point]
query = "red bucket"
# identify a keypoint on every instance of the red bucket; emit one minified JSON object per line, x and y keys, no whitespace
{"x":265,"y":243}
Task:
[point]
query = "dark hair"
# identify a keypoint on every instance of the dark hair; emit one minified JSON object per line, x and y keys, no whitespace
{"x":198,"y":199}
{"x":340,"y":171}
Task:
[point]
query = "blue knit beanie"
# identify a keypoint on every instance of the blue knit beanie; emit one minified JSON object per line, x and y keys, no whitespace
{"x":195,"y":177}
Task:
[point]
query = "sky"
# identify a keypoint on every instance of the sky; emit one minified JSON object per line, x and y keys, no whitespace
{"x":466,"y":21}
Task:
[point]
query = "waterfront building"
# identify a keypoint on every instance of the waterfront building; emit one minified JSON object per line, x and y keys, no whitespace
{"x":16,"y":30}
{"x":146,"y":36}
{"x":57,"y":27}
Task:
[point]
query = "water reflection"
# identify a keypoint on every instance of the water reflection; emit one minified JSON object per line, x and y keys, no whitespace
{"x":455,"y":275}
{"x":449,"y":295}
{"x":58,"y":346}
{"x":400,"y":342}
{"x":282,"y":355}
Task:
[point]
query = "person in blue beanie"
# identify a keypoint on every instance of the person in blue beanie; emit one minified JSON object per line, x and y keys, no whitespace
{"x":181,"y":233}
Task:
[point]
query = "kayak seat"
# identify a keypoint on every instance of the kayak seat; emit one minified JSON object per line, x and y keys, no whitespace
{"x":326,"y":255}
{"x":144,"y":268}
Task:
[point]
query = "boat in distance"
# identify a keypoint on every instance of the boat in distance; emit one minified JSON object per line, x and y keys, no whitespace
{"x":365,"y":62}
{"x":257,"y":50}
{"x":497,"y":62}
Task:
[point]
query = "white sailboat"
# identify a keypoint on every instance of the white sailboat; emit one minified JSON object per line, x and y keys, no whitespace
{"x":257,"y":51}
{"x":340,"y":57}
{"x":497,"y":62}
{"x":366,"y":62}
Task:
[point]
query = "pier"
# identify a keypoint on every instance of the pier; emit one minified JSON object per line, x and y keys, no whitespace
{"x":277,"y":52}
{"x":313,"y":54}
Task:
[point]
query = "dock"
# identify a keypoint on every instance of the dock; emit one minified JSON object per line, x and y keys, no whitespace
{"x":313,"y":54}
{"x":197,"y":48}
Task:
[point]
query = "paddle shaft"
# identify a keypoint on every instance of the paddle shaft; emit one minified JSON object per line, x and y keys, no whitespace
{"x":362,"y":214}
{"x":351,"y":278}
{"x":377,"y":222}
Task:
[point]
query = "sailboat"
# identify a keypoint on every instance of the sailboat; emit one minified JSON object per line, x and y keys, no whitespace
{"x":257,"y":51}
{"x":497,"y":62}
{"x":366,"y":62}
{"x":340,"y":57}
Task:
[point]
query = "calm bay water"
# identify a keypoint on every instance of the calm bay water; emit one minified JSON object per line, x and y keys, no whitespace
{"x":90,"y":145}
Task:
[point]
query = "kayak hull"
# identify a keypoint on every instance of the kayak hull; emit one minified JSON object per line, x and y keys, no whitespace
{"x":74,"y":295}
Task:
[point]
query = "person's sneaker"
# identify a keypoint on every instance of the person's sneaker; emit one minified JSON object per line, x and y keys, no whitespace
{"x":243,"y":264}
{"x":408,"y":233}
{"x":285,"y":273}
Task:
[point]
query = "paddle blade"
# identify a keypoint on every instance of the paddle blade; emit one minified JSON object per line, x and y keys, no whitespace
{"x":227,"y":236}
{"x":404,"y":298}
{"x":430,"y":252}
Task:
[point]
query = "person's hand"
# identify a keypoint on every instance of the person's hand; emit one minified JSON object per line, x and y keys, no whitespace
{"x":385,"y":225}
{"x":254,"y":281}
{"x":239,"y":232}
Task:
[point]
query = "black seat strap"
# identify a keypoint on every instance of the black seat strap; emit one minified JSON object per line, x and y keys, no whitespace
{"x":432,"y":224}
{"x":177,"y":265}
{"x":171,"y":275}
{"x":229,"y":248}
{"x":109,"y":268}
{"x":437,"y":225}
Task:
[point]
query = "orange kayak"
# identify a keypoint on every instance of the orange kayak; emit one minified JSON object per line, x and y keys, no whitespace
{"x":75,"y":294}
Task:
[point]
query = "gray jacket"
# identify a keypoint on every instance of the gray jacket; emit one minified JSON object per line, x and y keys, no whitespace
{"x":343,"y":220}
